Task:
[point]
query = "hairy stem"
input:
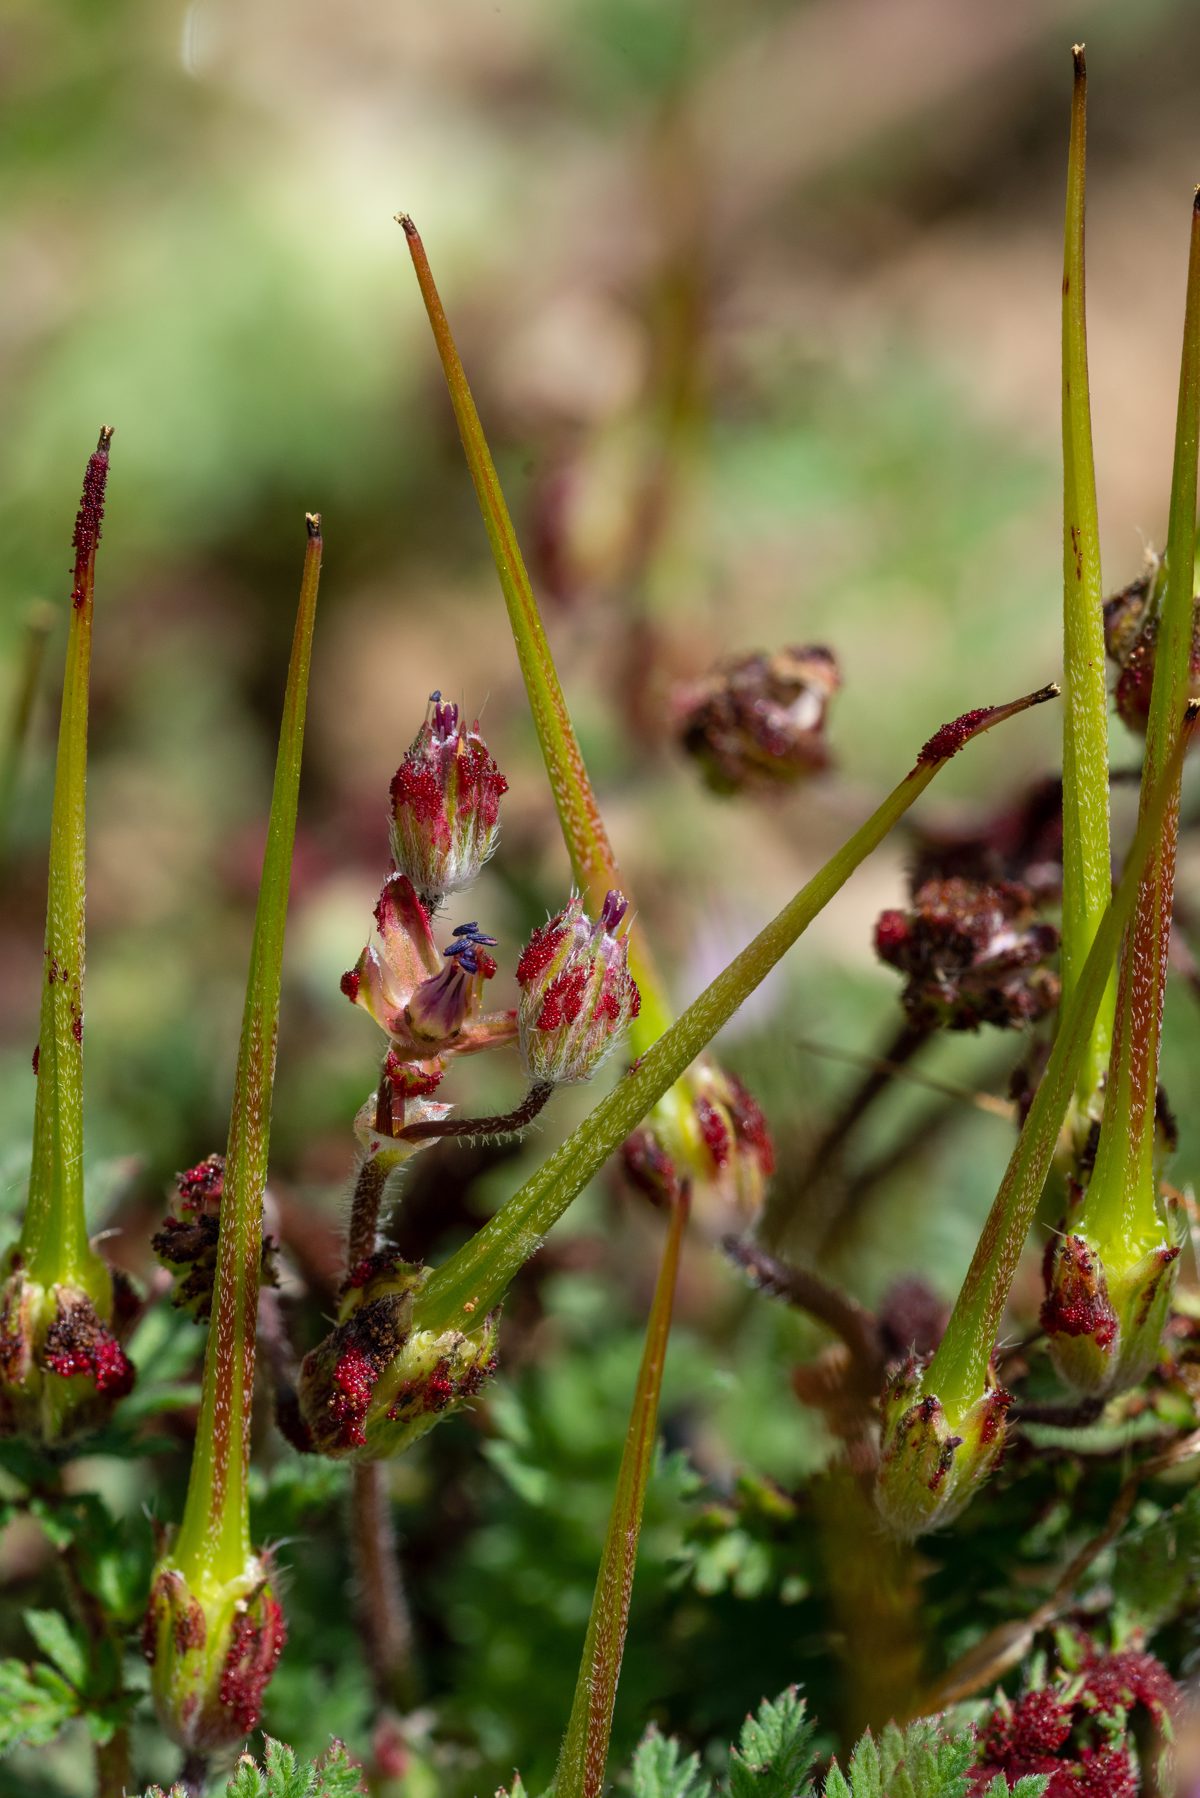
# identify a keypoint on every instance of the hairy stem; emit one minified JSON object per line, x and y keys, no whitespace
{"x":1120,"y":1209}
{"x":957,"y":1375}
{"x":383,"y":1612}
{"x":214,"y":1536}
{"x":504,"y":1123}
{"x":1087,"y":878}
{"x":584,"y":1754}
{"x":54,"y":1239}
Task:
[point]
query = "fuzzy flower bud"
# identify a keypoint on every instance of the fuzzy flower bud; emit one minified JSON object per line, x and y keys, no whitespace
{"x":759,"y":721}
{"x":445,"y":805}
{"x":719,"y":1144}
{"x":973,"y":952}
{"x":62,"y":1369}
{"x":187,"y":1245}
{"x":1105,"y":1315}
{"x":429,"y":1004}
{"x":375,"y":1385}
{"x":577,"y":994}
{"x":212,"y":1649}
{"x":929,"y":1470}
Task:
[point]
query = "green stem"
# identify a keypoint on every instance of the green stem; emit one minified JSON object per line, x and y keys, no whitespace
{"x":214,"y":1537}
{"x":593,"y":861}
{"x":1087,"y":863}
{"x":477,"y":1276}
{"x":1121,"y":1204}
{"x":54,"y":1239}
{"x":584,"y":1754}
{"x":957,"y":1374}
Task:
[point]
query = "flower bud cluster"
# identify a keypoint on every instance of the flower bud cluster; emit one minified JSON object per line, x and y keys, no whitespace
{"x":577,"y":994}
{"x":759,"y":721}
{"x":932,"y":1465}
{"x":62,"y":1368}
{"x":187,"y":1245}
{"x":375,"y":1384}
{"x":974,"y":952}
{"x":1078,"y":1728}
{"x":445,"y":805}
{"x":212,"y":1647}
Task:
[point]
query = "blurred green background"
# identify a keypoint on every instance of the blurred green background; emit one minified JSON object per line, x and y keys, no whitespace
{"x":761,"y":308}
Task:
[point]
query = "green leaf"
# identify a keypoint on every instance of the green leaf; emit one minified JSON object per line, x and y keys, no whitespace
{"x":584,"y":1755}
{"x":923,"y":1760}
{"x":214,"y":1536}
{"x":35,"y":1704}
{"x":660,"y":1769}
{"x":774,"y":1755}
{"x":281,"y":1775}
{"x":60,"y":1645}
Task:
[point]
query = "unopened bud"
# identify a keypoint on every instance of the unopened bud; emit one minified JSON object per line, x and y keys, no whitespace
{"x":973,"y":952}
{"x":1131,"y":639}
{"x":187,"y":1245}
{"x":376,"y":1384}
{"x":62,"y":1369}
{"x":715,"y":1139}
{"x":577,"y":994}
{"x":445,"y":805}
{"x":929,"y":1470}
{"x":212,"y":1648}
{"x":760,"y":720}
{"x":1105,"y":1320}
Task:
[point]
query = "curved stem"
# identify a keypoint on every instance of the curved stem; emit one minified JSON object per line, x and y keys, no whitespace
{"x":504,"y":1123}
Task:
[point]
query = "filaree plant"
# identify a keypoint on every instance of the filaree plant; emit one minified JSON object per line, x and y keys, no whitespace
{"x":715,"y":1510}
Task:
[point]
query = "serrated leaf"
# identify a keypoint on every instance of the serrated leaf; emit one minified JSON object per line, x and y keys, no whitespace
{"x":866,"y":1769}
{"x":1031,"y":1785}
{"x":247,"y":1780}
{"x":334,"y":1775}
{"x":920,"y":1761}
{"x":35,"y":1704}
{"x":661,"y":1771}
{"x":774,"y":1754}
{"x":60,"y":1645}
